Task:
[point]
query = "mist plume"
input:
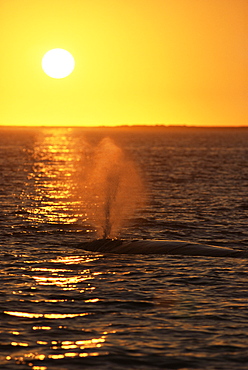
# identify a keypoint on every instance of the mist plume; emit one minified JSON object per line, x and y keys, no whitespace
{"x":111,"y":190}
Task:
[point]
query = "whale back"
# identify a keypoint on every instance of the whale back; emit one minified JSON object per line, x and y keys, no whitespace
{"x":167,"y":247}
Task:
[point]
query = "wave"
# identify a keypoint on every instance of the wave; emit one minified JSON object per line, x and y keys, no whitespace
{"x":165,"y":247}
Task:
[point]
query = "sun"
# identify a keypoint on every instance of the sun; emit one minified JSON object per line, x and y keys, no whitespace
{"x":58,"y":63}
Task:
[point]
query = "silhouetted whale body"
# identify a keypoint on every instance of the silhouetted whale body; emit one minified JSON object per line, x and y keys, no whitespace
{"x":169,"y":247}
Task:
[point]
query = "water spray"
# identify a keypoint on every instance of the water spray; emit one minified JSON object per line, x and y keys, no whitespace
{"x":112,"y":189}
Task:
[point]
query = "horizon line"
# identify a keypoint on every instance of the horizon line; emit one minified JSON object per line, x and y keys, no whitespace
{"x":143,"y":126}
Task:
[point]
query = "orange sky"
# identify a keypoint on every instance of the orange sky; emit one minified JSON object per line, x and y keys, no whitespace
{"x":137,"y":62}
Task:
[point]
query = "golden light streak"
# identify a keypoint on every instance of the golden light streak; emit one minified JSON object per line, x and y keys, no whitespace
{"x":19,"y":344}
{"x":56,"y":357}
{"x":42,"y":342}
{"x":48,"y":196}
{"x":74,"y":259}
{"x":94,"y":300}
{"x":88,"y":344}
{"x":45,"y":315}
{"x":61,"y":281}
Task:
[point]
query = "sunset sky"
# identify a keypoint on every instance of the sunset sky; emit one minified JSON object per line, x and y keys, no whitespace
{"x":169,"y":62}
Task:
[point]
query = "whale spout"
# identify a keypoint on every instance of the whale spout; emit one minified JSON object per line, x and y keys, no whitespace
{"x":164,"y":247}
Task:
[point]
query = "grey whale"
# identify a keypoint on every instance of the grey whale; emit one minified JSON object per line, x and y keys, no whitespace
{"x":165,"y":247}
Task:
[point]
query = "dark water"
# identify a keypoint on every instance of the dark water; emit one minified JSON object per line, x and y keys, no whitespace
{"x":65,"y":309}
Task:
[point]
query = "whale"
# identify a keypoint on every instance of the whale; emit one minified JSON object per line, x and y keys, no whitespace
{"x":161,"y":247}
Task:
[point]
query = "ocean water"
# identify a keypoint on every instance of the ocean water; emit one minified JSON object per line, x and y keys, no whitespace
{"x":63,"y":308}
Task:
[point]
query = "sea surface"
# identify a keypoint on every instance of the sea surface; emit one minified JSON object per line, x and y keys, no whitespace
{"x":63,"y":308}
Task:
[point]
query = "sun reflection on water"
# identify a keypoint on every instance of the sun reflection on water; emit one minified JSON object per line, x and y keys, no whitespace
{"x":67,"y":260}
{"x":63,"y":278}
{"x":61,"y":281}
{"x":49,"y":198}
{"x":49,"y":192}
{"x":60,"y":350}
{"x":34,"y":315}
